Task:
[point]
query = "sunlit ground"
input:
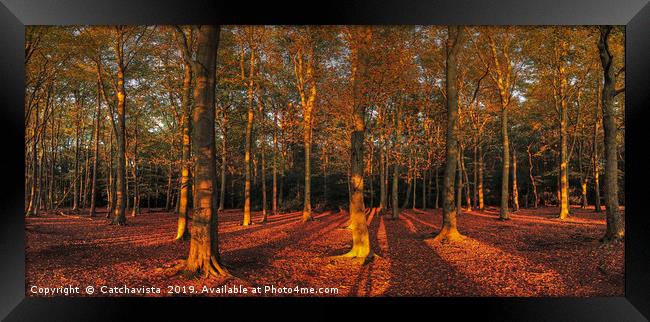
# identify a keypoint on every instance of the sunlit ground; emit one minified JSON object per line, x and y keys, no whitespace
{"x":533,"y":254}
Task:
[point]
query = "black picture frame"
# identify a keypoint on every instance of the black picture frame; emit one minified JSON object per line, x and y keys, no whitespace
{"x":15,"y":14}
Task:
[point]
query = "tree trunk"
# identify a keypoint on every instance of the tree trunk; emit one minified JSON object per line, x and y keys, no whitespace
{"x":564,"y":156}
{"x":481,"y":203}
{"x":247,"y":153}
{"x":515,"y":191}
{"x":449,"y":230}
{"x":437,"y":201}
{"x":596,"y":165}
{"x":275,"y":164}
{"x":532,"y":179}
{"x":119,"y":217}
{"x":224,"y":161}
{"x":615,"y":224}
{"x":75,"y":187}
{"x":382,"y":180}
{"x":360,"y":237}
{"x":468,"y":196}
{"x":505,"y":169}
{"x":184,"y":189}
{"x":204,"y":246}
{"x":264,"y":214}
{"x":136,"y":188}
{"x":93,"y":190}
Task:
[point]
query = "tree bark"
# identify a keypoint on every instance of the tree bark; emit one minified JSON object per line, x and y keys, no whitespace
{"x":203,"y":256}
{"x":119,"y":216}
{"x":449,"y":230}
{"x":186,"y":120}
{"x":360,"y":238}
{"x":247,"y":153}
{"x":615,"y":224}
{"x":93,"y":190}
{"x":515,"y":190}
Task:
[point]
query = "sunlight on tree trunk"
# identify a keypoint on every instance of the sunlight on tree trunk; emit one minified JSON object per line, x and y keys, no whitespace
{"x":449,"y":230}
{"x":203,"y":256}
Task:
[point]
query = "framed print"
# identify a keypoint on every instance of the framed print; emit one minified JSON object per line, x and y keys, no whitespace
{"x":353,"y":156}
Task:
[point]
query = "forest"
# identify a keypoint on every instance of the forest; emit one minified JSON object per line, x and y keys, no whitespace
{"x":377,"y":160}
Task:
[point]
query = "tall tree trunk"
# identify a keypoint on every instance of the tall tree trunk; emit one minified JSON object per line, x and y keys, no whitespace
{"x":203,"y":256}
{"x":449,"y":230}
{"x":119,"y":216}
{"x":532,"y":178}
{"x":564,"y":155}
{"x":481,"y":202}
{"x":360,"y":238}
{"x":595,"y":160}
{"x":515,"y":191}
{"x":615,"y":224}
{"x":32,"y":209}
{"x":224,"y":160}
{"x":395,"y":184}
{"x":75,"y":187}
{"x":505,"y":169}
{"x":264,"y":214}
{"x":87,"y":176}
{"x":459,"y":181}
{"x":437,"y":201}
{"x":382,"y":179}
{"x":275,"y":163}
{"x":424,"y":189}
{"x":475,"y":173}
{"x":111,"y":184}
{"x":184,"y":190}
{"x":247,"y":153}
{"x":136,"y":188}
{"x":468,"y":196}
{"x":93,"y":190}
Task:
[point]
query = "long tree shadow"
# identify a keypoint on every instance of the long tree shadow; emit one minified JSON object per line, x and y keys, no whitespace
{"x":506,"y":271}
{"x":416,"y":270}
{"x":244,"y":262}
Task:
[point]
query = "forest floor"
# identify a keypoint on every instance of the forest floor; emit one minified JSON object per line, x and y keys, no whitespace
{"x":533,"y":254}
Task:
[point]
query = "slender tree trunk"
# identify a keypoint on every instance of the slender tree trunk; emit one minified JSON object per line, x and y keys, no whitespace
{"x":437,"y":201}
{"x":382,"y":179}
{"x":111,"y":184}
{"x":184,"y":190}
{"x":203,"y":256}
{"x":615,"y":223}
{"x":595,"y":159}
{"x":475,"y":173}
{"x":505,"y":169}
{"x":532,"y":178}
{"x":32,"y":209}
{"x":564,"y":156}
{"x":481,"y":202}
{"x":93,"y":191}
{"x":449,"y":230}
{"x":264,"y":214}
{"x":459,"y":181}
{"x":306,"y":211}
{"x":424,"y":189}
{"x":119,"y":217}
{"x":395,"y":185}
{"x":468,"y":196}
{"x":515,"y":191}
{"x":275,"y":164}
{"x":224,"y":161}
{"x":247,"y":153}
{"x":75,"y":187}
{"x":136,"y":188}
